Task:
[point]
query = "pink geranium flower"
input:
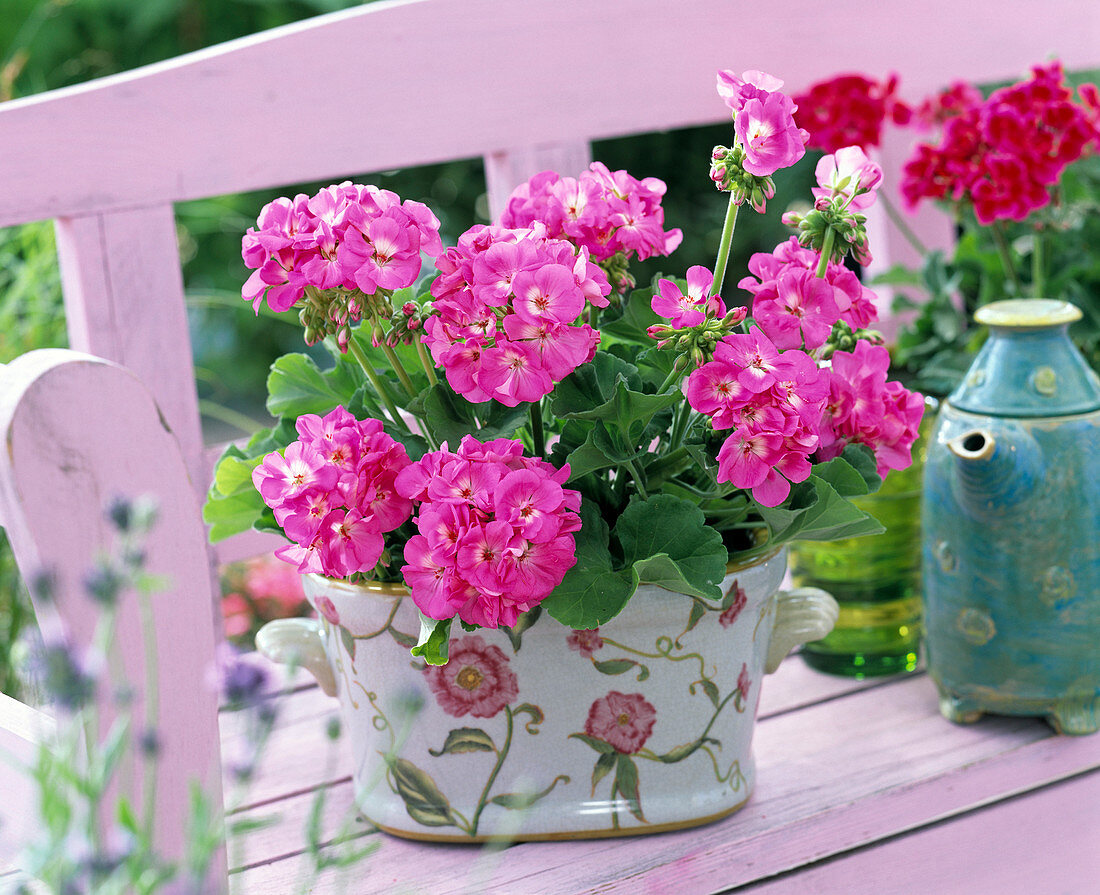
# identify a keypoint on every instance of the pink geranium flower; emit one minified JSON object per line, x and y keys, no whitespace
{"x":849,"y":173}
{"x":800,"y":313}
{"x":684,"y":311}
{"x":334,"y":493}
{"x":736,"y":91}
{"x":495,"y":531}
{"x":766,"y":130}
{"x":622,"y":720}
{"x":476,"y":681}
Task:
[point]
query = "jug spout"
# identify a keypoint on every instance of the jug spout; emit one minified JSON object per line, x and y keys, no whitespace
{"x":994,"y":471}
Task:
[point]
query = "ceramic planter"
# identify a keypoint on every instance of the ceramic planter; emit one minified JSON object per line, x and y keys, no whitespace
{"x":642,"y":725}
{"x":1011,"y":552}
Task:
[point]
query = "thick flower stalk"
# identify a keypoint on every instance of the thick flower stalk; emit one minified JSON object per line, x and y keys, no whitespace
{"x":333,"y":493}
{"x":338,"y":255}
{"x":766,"y":139}
{"x":495,"y":531}
{"x":610,"y":214}
{"x":835,"y":227}
{"x":509,"y":313}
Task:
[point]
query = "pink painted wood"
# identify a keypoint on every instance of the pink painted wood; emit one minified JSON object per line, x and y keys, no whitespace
{"x":522,"y":85}
{"x":78,"y":432}
{"x":867,"y":771}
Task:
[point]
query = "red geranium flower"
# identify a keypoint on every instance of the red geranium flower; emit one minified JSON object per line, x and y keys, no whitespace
{"x":623,"y":720}
{"x":476,"y":680}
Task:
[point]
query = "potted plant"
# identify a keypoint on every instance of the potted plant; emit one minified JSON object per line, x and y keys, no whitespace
{"x":596,"y":480}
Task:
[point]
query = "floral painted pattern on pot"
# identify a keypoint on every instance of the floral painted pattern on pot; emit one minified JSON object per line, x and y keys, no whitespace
{"x":523,"y":736}
{"x":477,"y":681}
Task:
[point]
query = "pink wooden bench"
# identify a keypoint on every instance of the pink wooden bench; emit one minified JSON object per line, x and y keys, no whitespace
{"x":868,"y":775}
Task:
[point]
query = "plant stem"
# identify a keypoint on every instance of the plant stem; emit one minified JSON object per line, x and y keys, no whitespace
{"x":674,"y":375}
{"x":669,"y":461}
{"x":679,"y":425}
{"x":399,"y":369}
{"x":152,"y":707}
{"x":826,"y":251}
{"x":357,"y":352}
{"x":1038,"y":283}
{"x":724,"y":244}
{"x":426,"y":362}
{"x":501,"y":755}
{"x":538,"y":433}
{"x":1005,"y":254}
{"x":899,"y":221}
{"x":639,"y":478}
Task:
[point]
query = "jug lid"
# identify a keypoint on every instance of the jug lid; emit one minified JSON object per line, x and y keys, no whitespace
{"x":1029,"y":367}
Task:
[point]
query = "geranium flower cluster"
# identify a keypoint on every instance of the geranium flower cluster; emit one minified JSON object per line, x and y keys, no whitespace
{"x":346,"y":237}
{"x":1003,"y":155}
{"x":602,"y":211}
{"x":849,"y":110}
{"x":333,"y":493}
{"x":784,"y":409}
{"x":508,"y":303}
{"x":865,"y":408}
{"x":495,"y":531}
{"x":794,"y":310}
{"x":772,"y":401}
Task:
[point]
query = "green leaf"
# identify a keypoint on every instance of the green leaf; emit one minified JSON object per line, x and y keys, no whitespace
{"x":423,"y":800}
{"x":296,"y":385}
{"x":626,"y":782}
{"x":847,"y":479}
{"x":523,"y":622}
{"x":589,"y":456}
{"x":599,"y":745}
{"x":228,"y":516}
{"x":520,"y":800}
{"x":433,"y":645}
{"x":348,"y":640}
{"x":636,"y":318}
{"x":668,"y":543}
{"x":591,"y":386}
{"x":465,"y":739}
{"x":591,"y":591}
{"x":622,"y":666}
{"x":126,"y":817}
{"x":449,"y":416}
{"x":710,"y":689}
{"x":816,"y":512}
{"x":608,"y":390}
{"x":603,"y":767}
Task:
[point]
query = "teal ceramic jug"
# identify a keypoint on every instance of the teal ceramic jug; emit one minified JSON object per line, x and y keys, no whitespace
{"x":1011,"y":526}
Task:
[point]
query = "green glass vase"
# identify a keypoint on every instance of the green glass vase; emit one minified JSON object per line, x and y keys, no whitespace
{"x":875,"y":579}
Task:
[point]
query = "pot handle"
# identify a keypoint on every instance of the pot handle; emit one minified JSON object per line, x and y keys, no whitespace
{"x":802,"y":615}
{"x":298,"y":642}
